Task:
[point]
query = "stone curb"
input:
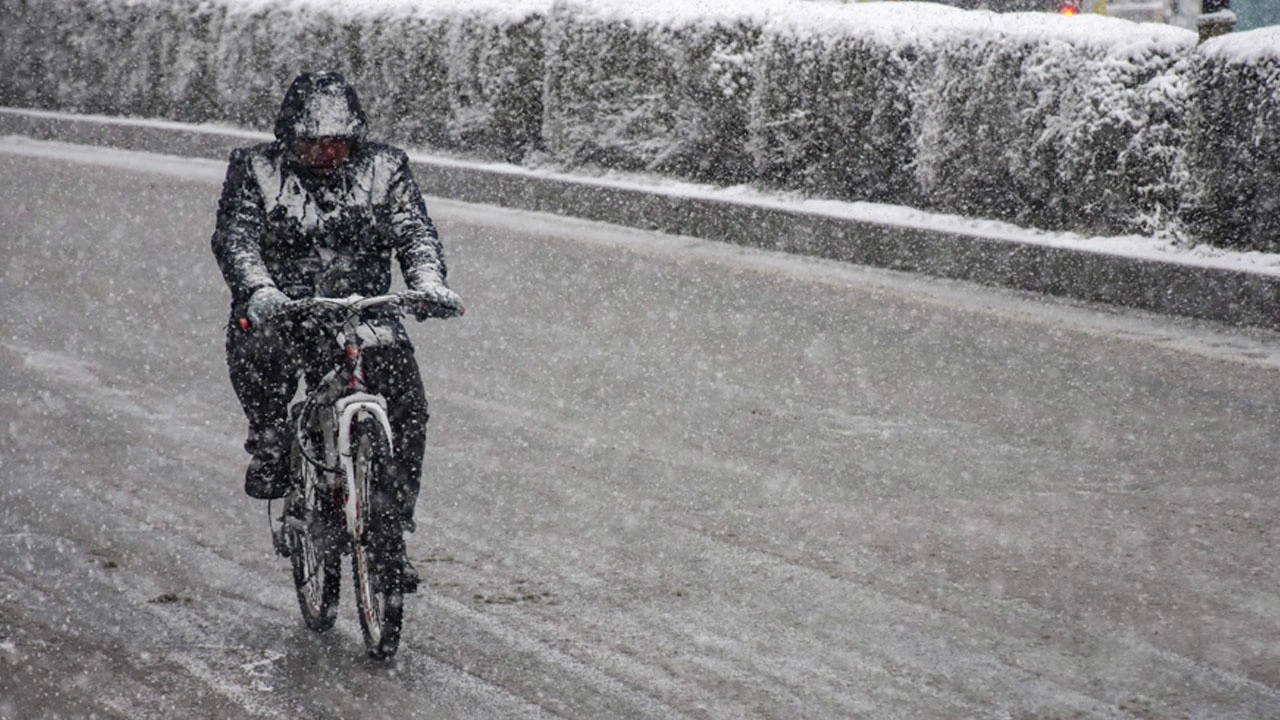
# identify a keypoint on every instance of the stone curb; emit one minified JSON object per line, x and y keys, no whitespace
{"x":1227,"y":296}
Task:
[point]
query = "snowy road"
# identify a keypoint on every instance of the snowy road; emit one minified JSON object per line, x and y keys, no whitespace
{"x":667,"y":478}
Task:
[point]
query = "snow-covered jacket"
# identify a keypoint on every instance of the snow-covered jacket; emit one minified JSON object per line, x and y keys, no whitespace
{"x":308,"y":234}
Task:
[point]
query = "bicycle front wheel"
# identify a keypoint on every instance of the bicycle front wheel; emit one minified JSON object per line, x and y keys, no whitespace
{"x":316,"y":556}
{"x":378,"y":556}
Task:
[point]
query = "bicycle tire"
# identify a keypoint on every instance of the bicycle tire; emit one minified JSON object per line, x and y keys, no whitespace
{"x":377,"y":558}
{"x":316,"y":557}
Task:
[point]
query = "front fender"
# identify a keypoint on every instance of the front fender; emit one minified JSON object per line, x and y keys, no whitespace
{"x":352,"y":409}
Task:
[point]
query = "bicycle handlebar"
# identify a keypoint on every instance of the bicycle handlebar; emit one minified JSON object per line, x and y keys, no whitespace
{"x":419,"y":303}
{"x":351,"y":302}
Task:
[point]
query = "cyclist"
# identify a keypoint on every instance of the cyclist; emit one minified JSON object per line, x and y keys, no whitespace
{"x":320,"y":211}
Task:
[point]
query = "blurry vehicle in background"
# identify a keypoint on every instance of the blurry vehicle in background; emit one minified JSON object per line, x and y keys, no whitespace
{"x":1009,"y":5}
{"x":1065,"y":7}
{"x":1250,"y":14}
{"x":1136,"y":10}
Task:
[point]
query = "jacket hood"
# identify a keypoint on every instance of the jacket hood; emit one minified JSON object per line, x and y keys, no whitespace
{"x":320,"y":104}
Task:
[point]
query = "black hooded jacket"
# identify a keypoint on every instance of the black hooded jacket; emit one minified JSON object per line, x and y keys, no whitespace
{"x":307,"y":234}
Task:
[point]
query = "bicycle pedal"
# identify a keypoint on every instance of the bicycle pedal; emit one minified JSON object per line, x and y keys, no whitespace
{"x":276,"y":525}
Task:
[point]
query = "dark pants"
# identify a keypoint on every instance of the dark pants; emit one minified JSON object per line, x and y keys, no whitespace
{"x":265,"y":366}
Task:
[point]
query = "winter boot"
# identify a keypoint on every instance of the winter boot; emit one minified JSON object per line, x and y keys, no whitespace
{"x":268,"y":475}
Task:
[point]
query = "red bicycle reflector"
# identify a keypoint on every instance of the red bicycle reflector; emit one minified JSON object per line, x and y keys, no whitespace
{"x":1069,"y":8}
{"x":244,"y":324}
{"x":353,"y":350}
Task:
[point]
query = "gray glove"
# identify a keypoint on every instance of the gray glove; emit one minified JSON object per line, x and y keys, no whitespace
{"x":435,"y":301}
{"x":264,"y":304}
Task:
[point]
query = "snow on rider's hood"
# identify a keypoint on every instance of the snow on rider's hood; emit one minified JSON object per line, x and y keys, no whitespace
{"x":320,"y":104}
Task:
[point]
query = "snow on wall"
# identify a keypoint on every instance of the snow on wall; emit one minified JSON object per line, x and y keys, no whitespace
{"x":1084,"y":123}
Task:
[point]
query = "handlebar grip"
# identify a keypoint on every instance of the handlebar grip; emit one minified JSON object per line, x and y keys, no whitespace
{"x":439,"y":310}
{"x":290,"y":308}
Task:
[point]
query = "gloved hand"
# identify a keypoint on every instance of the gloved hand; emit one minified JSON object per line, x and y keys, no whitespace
{"x":264,"y":304}
{"x":435,"y":301}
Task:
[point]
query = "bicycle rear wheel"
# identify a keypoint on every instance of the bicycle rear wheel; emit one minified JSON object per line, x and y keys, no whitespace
{"x":316,"y":557}
{"x":378,"y":556}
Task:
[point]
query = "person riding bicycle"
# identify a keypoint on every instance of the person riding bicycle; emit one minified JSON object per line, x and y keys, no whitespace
{"x":320,"y":212}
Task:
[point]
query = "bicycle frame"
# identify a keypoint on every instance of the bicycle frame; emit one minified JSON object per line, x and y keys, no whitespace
{"x":343,"y":388}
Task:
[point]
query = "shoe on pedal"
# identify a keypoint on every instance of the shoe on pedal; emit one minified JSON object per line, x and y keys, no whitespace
{"x":268,"y":475}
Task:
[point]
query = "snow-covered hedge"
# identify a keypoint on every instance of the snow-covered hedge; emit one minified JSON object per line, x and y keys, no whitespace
{"x":1061,"y":122}
{"x":495,"y":76}
{"x":1086,"y":123}
{"x":833,"y":102}
{"x":1233,"y":151}
{"x":634,"y":89}
{"x":70,"y":56}
{"x":462,"y":75}
{"x":457,"y":75}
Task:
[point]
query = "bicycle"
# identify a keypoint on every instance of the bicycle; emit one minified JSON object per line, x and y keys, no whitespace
{"x":340,"y":457}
